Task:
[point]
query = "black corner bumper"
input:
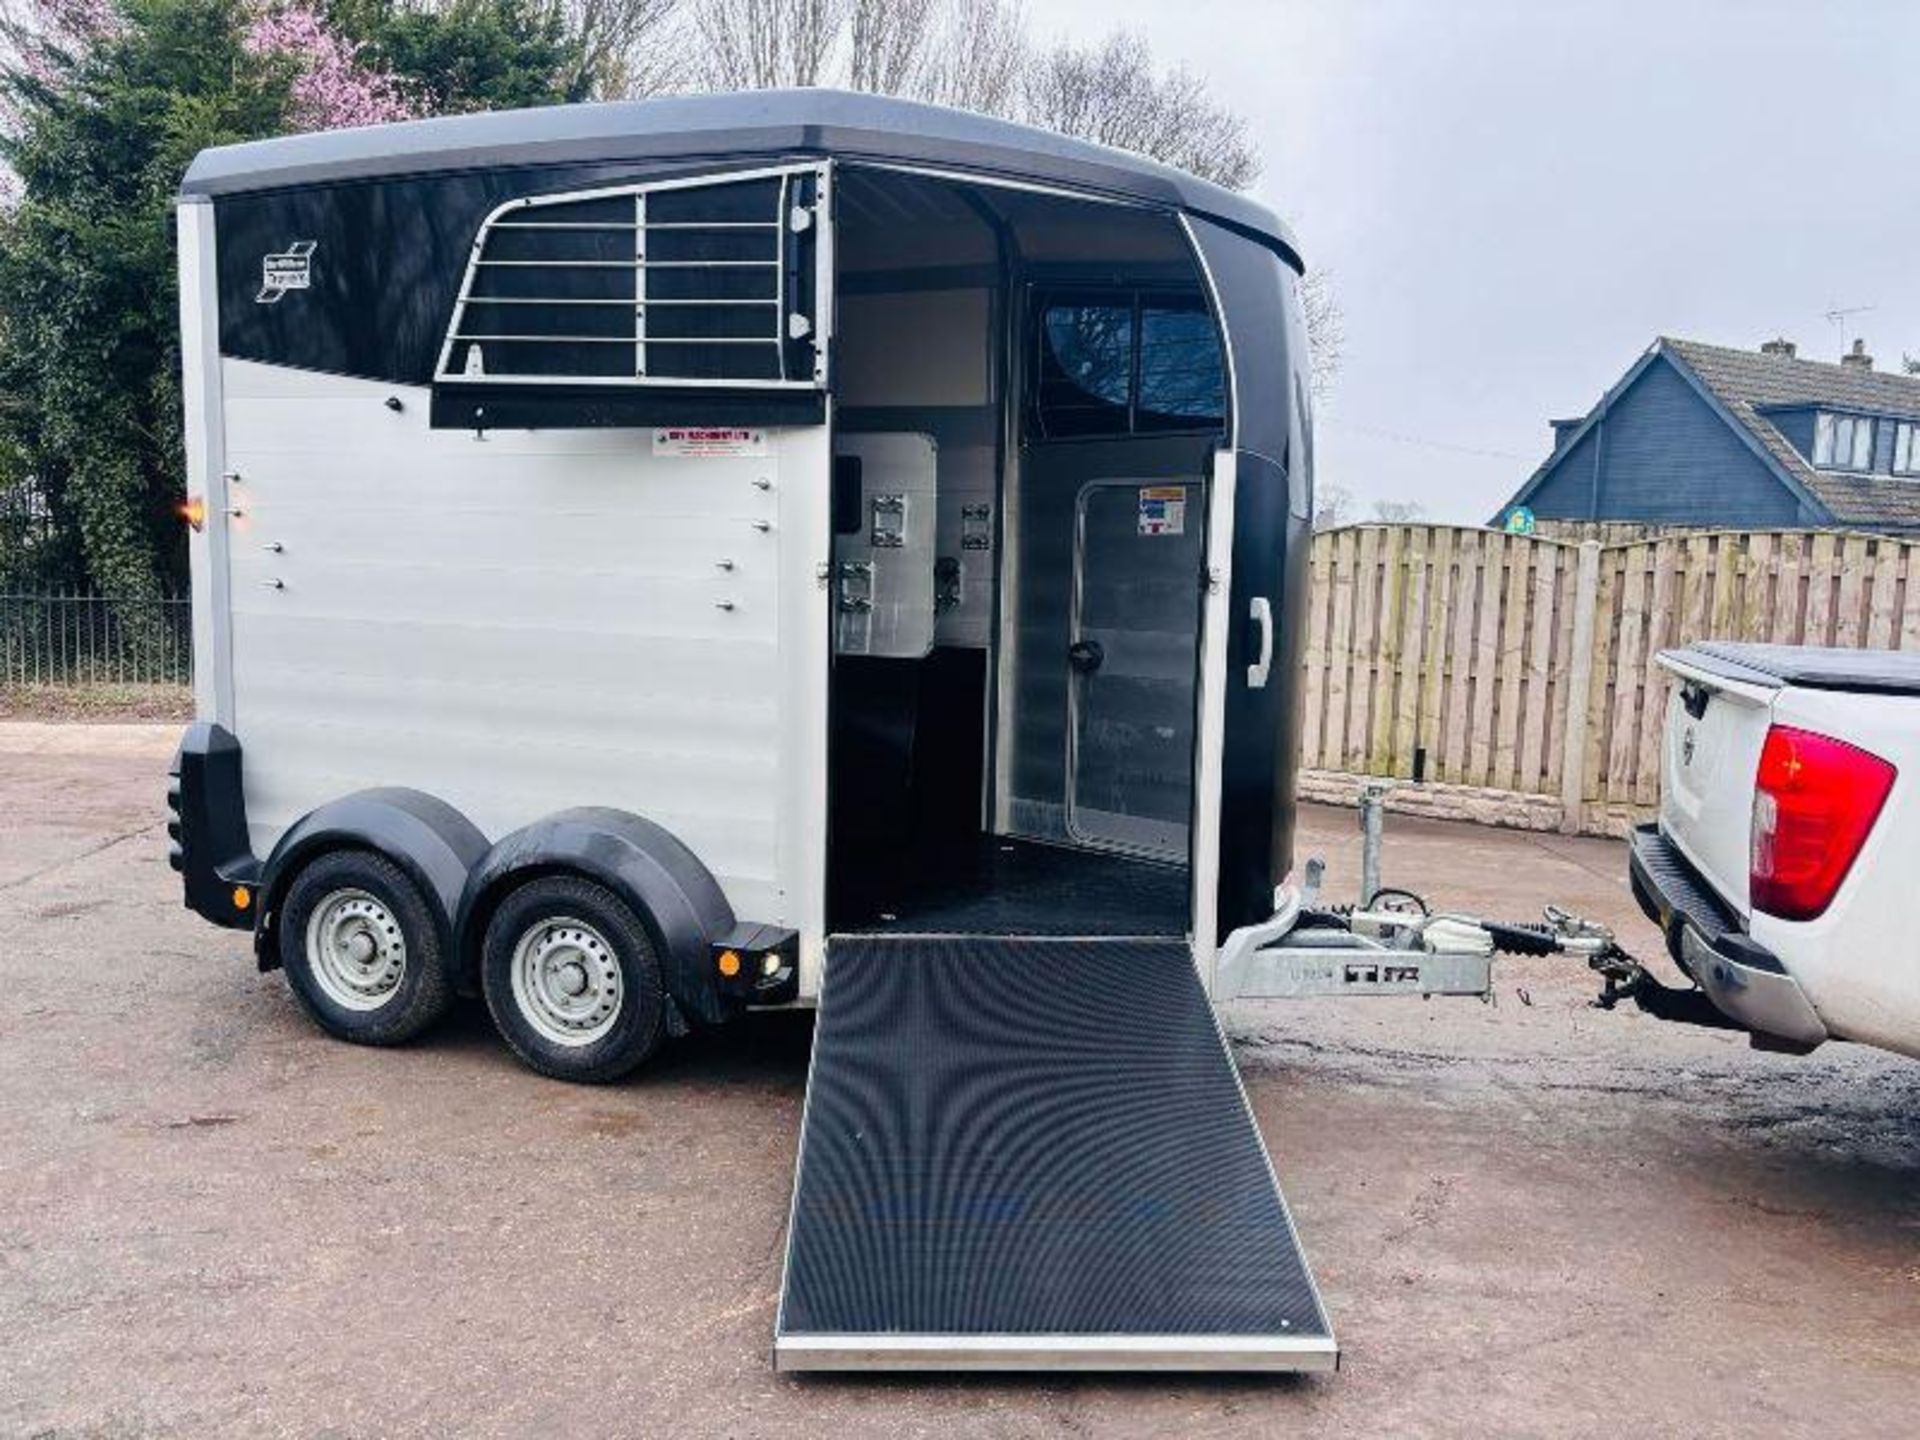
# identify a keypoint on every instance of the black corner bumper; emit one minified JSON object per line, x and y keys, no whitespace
{"x":207,"y":828}
{"x":1745,"y":981}
{"x":758,"y":964}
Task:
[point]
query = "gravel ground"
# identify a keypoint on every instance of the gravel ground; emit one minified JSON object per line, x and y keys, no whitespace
{"x":1527,"y":1218}
{"x":99,"y":704}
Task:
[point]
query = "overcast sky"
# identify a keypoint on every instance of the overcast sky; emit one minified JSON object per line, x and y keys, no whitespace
{"x":1517,"y":196}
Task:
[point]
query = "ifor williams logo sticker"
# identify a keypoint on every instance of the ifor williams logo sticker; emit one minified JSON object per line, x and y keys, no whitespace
{"x":284,"y":270}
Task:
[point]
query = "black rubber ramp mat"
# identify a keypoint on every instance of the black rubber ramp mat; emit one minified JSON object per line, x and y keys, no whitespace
{"x":1034,"y":1154}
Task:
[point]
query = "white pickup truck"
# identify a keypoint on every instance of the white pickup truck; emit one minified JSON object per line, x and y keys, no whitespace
{"x":1784,"y":870}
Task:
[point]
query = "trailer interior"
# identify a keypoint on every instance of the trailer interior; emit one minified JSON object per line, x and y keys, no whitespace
{"x":1030,"y":390}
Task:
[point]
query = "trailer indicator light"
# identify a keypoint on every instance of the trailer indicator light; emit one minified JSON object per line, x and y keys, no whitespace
{"x":242,"y":897}
{"x":193,"y":510}
{"x":729,"y":963}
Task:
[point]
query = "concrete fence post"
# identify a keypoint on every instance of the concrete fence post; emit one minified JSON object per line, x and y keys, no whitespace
{"x":1573,"y":764}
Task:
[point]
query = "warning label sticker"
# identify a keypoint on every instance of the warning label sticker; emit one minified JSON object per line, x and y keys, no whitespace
{"x":704,"y":442}
{"x":1163,"y":510}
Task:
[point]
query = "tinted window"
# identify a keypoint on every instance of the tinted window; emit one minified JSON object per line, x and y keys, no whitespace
{"x":1123,"y":363}
{"x":1181,"y":385}
{"x":1086,"y":367}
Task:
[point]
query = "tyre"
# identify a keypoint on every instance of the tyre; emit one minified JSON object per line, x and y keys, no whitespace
{"x":360,"y":949}
{"x":572,"y":980}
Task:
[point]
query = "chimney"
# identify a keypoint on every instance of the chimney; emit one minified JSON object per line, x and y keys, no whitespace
{"x":1780,"y":346}
{"x":1858,"y":358}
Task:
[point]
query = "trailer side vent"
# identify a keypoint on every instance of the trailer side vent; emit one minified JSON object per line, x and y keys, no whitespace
{"x":712,"y":283}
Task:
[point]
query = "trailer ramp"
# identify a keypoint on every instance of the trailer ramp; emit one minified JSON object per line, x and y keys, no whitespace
{"x":1025,"y":1154}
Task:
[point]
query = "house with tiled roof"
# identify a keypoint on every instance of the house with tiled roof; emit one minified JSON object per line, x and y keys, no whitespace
{"x":1704,"y":436}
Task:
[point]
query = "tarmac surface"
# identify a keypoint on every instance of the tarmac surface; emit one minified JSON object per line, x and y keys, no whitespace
{"x":1528,"y":1218}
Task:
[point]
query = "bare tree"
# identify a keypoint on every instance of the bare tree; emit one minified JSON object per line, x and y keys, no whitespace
{"x":1326,"y":330}
{"x":627,"y":47}
{"x":1332,"y":506}
{"x":768,"y":44}
{"x":1112,"y":94}
{"x":1399,"y":512}
{"x":887,"y":44}
{"x":978,"y":54}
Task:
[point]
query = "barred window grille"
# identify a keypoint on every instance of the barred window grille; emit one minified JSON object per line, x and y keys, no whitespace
{"x":704,"y":282}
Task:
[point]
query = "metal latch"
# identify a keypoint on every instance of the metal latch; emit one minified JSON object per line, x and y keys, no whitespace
{"x":889,"y":530}
{"x":856,"y":586}
{"x":976,"y":527}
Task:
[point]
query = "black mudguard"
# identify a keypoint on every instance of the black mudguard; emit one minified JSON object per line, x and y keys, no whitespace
{"x":426,"y":837}
{"x":675,"y":896}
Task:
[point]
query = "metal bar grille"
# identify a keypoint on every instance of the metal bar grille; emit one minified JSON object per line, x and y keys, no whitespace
{"x":562,"y":268}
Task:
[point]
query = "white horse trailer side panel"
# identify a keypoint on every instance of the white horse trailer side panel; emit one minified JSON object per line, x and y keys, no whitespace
{"x":203,"y":434}
{"x":516,"y":620}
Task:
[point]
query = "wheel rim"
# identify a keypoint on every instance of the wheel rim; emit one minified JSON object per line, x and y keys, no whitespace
{"x":566,"y":981}
{"x":356,"y":950}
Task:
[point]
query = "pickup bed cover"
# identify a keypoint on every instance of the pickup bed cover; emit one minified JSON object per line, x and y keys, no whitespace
{"x":1884,"y":672}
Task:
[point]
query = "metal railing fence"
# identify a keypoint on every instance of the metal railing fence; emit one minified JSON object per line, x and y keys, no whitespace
{"x":82,"y":639}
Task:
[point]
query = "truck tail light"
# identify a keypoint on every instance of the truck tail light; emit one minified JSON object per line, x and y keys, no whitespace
{"x":1815,"y":801}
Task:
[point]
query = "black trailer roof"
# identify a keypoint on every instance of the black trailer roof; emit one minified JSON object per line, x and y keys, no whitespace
{"x":755,"y":124}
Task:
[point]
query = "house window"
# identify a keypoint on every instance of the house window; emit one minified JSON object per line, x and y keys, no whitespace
{"x":1843,"y":442}
{"x":1906,"y":448}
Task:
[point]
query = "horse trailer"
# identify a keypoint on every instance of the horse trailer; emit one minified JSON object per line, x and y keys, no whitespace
{"x":657,"y":560}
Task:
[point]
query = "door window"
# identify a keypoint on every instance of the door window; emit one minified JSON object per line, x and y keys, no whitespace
{"x":1181,"y":386}
{"x":1086,"y":367}
{"x":1126,"y":363}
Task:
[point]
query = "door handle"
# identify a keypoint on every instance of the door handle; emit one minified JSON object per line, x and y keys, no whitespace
{"x":1261,"y":613}
{"x":1086,"y":656}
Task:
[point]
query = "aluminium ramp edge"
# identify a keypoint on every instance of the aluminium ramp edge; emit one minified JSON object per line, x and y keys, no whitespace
{"x":1034,"y":1155}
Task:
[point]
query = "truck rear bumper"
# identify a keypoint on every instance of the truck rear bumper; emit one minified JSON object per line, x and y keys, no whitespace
{"x":1746,"y":982}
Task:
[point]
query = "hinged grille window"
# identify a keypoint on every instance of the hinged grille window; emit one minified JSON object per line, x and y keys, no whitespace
{"x":711,"y":282}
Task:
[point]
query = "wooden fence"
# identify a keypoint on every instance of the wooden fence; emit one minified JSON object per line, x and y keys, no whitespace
{"x":1515,"y":673}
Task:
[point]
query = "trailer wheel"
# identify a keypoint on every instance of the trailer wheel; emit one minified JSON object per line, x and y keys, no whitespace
{"x":360,"y":950}
{"x":572,"y":980}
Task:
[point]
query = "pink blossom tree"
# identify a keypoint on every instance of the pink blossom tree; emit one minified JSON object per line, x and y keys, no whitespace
{"x":78,"y":19}
{"x":332,"y":88}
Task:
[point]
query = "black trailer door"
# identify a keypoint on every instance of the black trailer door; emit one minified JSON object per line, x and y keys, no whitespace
{"x":1122,"y":419}
{"x":1034,"y":1155}
{"x":1137,"y":552}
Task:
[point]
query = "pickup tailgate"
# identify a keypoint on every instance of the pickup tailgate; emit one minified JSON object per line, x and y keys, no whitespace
{"x":1716,"y":725}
